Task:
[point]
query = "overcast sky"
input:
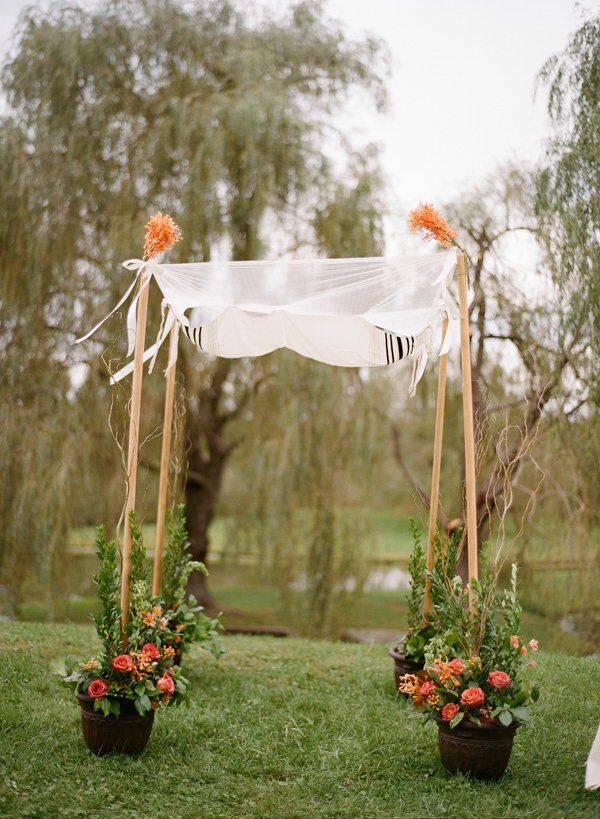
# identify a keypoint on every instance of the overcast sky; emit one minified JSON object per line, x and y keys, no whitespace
{"x":462,"y":89}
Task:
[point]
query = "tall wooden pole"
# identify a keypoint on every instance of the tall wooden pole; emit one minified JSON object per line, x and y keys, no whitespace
{"x":469,"y":434}
{"x":132,"y":455}
{"x":436,"y":470}
{"x":165,"y":455}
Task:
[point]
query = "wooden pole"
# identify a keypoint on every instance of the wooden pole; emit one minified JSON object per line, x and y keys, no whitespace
{"x":469,"y":434}
{"x":165,"y":455}
{"x":132,"y":455}
{"x":437,"y":466}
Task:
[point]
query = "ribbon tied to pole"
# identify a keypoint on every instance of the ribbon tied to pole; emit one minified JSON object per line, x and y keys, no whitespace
{"x":145,"y":270}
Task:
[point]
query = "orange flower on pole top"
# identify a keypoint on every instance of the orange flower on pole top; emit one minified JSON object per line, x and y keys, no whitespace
{"x":426,"y":220}
{"x":161,"y":234}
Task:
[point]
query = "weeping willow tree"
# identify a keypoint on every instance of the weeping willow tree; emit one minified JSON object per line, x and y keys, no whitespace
{"x":214,"y":111}
{"x":568,"y":202}
{"x":303,"y":508}
{"x":311,"y":459}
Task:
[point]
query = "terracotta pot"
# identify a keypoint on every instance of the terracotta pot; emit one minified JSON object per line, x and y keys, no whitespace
{"x":480,"y":751}
{"x":126,"y":734}
{"x":402,"y":665}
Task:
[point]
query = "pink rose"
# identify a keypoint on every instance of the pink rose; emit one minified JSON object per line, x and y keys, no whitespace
{"x":533,"y":645}
{"x":166,"y":684}
{"x":472,"y":697}
{"x":427,"y":689}
{"x":152,"y":651}
{"x":122,"y":663}
{"x":456,"y":666}
{"x":97,"y":689}
{"x":449,"y":711}
{"x":499,"y":679}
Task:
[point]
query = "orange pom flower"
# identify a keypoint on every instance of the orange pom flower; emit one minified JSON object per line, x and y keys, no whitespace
{"x":426,"y":220}
{"x":161,"y":234}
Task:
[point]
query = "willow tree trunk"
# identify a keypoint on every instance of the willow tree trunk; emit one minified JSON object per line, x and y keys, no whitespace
{"x":202,"y":491}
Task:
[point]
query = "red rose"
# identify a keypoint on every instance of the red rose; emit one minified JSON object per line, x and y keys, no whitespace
{"x":166,"y":684}
{"x":97,"y":689}
{"x":472,"y":697}
{"x":152,"y":651}
{"x":456,"y":666}
{"x":499,"y":679}
{"x":426,"y":689}
{"x":449,"y":711}
{"x":122,"y":663}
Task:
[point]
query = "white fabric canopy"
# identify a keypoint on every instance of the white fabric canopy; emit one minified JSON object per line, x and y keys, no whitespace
{"x":346,"y":312}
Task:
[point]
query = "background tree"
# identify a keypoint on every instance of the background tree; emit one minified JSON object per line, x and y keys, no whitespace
{"x":514,"y":320}
{"x":568,"y":184}
{"x":221,"y":121}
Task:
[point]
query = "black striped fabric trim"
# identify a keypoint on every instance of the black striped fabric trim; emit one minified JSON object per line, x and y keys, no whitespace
{"x":194,"y":334}
{"x":404,"y":346}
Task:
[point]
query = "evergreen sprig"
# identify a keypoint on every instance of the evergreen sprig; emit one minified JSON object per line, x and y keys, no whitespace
{"x":140,"y":574}
{"x":108,"y":619}
{"x":177,"y":560}
{"x":416,"y":570}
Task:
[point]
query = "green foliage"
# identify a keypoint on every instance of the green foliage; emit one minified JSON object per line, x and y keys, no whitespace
{"x":482,"y":643}
{"x":187,"y":624}
{"x":416,"y":570}
{"x":419,"y":633}
{"x":147,"y":664}
{"x":140,"y":572}
{"x":108,"y":582}
{"x":177,"y":560}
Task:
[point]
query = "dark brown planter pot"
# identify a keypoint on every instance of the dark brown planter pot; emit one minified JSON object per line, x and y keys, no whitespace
{"x":126,"y":734}
{"x":481,"y":752}
{"x":402,"y":665}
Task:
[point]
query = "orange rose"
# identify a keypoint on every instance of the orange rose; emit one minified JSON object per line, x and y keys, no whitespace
{"x":152,"y":651}
{"x":166,"y":684}
{"x":122,"y":663}
{"x":472,"y":697}
{"x":499,"y":679}
{"x":456,"y":666}
{"x":514,"y":641}
{"x":427,"y":689}
{"x":449,"y":711}
{"x":97,"y":689}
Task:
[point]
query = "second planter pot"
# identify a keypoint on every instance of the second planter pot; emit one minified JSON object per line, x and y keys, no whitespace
{"x":402,"y":665}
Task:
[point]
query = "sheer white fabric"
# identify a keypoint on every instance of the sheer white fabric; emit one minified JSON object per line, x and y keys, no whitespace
{"x":345,"y":312}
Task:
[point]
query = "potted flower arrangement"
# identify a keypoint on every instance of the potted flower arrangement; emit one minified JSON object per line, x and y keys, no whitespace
{"x":409,"y":656}
{"x":186,"y":622}
{"x":473,"y":684}
{"x":133,"y":675}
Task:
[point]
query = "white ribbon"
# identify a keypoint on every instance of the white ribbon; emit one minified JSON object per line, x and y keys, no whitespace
{"x":151,"y":352}
{"x":145,"y":271}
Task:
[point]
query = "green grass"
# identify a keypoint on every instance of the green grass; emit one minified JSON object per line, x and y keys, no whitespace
{"x":392,"y":538}
{"x":279,"y":728}
{"x":246,"y":602}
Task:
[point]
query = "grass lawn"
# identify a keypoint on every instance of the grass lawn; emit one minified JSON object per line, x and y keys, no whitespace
{"x":279,"y":728}
{"x":391,"y":533}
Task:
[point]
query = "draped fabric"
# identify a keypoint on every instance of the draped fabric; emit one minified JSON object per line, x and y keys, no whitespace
{"x":345,"y":312}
